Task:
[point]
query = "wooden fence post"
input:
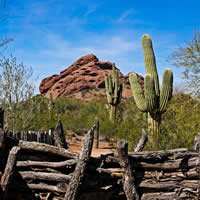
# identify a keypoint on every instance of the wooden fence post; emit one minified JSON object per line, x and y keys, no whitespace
{"x":9,"y":170}
{"x":73,"y":189}
{"x":59,"y":136}
{"x":128,"y":178}
{"x":143,"y":139}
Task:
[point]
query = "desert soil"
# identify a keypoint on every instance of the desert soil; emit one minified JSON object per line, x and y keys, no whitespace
{"x":105,"y":147}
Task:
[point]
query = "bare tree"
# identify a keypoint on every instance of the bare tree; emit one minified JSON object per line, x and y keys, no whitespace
{"x":15,"y":85}
{"x":188,"y":57}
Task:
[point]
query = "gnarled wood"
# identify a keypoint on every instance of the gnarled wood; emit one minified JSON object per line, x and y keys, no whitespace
{"x":29,"y":163}
{"x":40,"y":147}
{"x":73,"y":190}
{"x":59,"y":136}
{"x":142,"y":142}
{"x":128,"y":179}
{"x":45,"y":176}
{"x":9,"y":170}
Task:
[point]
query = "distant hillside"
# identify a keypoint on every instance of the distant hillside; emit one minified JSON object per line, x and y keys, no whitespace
{"x":83,"y":80}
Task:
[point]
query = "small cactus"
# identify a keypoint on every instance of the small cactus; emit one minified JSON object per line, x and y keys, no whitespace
{"x":151,"y":99}
{"x":113,"y":92}
{"x":96,"y":131}
{"x":51,"y":106}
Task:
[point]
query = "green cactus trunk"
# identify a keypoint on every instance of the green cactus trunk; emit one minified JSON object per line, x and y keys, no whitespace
{"x":113,"y":112}
{"x":152,"y":99}
{"x":96,"y":132}
{"x":113,"y":92}
{"x":154,"y":123}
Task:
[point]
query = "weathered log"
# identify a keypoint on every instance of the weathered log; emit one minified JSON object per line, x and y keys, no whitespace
{"x":165,"y":165}
{"x":46,"y":169}
{"x":158,"y":175}
{"x":9,"y":170}
{"x":155,"y":155}
{"x":168,"y":185}
{"x":73,"y":190}
{"x":142,"y":142}
{"x":185,"y":194}
{"x":40,"y":147}
{"x":44,"y":176}
{"x":63,"y":164}
{"x":59,"y":136}
{"x":46,"y":187}
{"x":128,"y":179}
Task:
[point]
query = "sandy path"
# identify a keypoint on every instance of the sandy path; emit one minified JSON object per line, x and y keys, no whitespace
{"x":74,"y":144}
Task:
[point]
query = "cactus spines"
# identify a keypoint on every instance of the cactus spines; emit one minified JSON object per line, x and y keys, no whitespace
{"x":113,"y":91}
{"x":166,"y":89}
{"x":150,"y":61}
{"x":151,"y":99}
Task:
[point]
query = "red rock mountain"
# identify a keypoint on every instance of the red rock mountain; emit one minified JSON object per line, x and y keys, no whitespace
{"x":84,"y":79}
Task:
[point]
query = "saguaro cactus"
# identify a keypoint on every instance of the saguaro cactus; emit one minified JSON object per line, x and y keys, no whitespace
{"x":113,"y":92}
{"x":51,"y":106}
{"x":96,"y":131}
{"x":151,"y":99}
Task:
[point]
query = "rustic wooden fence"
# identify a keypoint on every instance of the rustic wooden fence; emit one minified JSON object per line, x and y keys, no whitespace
{"x":34,"y":136}
{"x":34,"y":171}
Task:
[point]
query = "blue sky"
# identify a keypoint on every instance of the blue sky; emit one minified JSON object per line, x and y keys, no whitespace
{"x":50,"y":35}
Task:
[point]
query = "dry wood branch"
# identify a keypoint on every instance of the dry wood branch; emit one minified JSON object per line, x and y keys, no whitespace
{"x":185,"y":194}
{"x":29,"y":163}
{"x":45,"y":176}
{"x":46,"y":187}
{"x":167,"y":185}
{"x":72,"y":192}
{"x":128,"y":179}
{"x":142,"y":142}
{"x":9,"y":170}
{"x":151,"y":165}
{"x":40,"y":147}
{"x":156,"y":155}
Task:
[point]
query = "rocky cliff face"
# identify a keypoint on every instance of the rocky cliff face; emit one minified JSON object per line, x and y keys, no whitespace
{"x":84,"y":79}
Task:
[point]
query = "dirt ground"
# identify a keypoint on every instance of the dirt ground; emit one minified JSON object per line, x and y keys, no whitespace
{"x":105,"y":147}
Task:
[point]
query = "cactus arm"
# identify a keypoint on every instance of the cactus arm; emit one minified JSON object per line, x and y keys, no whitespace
{"x":110,"y":85}
{"x":150,"y":94}
{"x":138,"y":92}
{"x":108,"y":92}
{"x":115,"y":84}
{"x":166,"y":89}
{"x":150,"y":61}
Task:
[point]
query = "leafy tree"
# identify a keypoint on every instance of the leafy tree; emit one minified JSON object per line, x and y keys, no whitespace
{"x":188,"y":57}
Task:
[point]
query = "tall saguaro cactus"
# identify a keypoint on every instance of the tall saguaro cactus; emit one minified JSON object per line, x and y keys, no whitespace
{"x":151,"y":99}
{"x":51,"y":106}
{"x":113,"y":92}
